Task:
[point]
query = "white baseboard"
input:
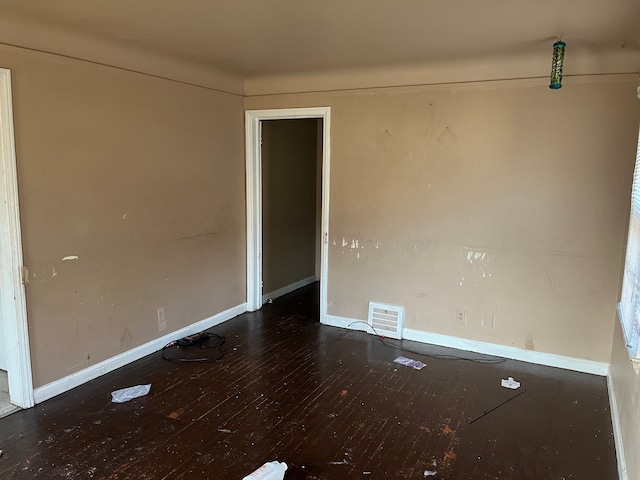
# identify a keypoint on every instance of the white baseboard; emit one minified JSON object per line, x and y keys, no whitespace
{"x":57,"y":387}
{"x":617,"y":431}
{"x":345,"y":322}
{"x":288,"y":288}
{"x":514,"y":353}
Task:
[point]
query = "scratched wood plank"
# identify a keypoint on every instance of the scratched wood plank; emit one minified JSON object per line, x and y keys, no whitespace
{"x":329,"y":402}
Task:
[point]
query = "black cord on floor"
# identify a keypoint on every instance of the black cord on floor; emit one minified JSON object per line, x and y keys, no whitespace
{"x":497,"y":407}
{"x":390,"y":344}
{"x":202,"y":341}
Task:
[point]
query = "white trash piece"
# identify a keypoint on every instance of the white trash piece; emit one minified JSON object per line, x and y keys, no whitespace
{"x":510,"y":383}
{"x":129,"y":393}
{"x":269,"y":471}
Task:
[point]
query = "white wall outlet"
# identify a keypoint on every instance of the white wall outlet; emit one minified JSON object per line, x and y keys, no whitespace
{"x":488,"y":319}
{"x":162,"y":323}
{"x":461,"y":317}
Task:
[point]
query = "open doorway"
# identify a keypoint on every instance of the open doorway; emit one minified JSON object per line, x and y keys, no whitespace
{"x":291,"y":205}
{"x":294,"y":239}
{"x":15,"y":361}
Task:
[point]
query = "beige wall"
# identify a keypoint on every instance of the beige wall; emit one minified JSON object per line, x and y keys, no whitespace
{"x":503,"y":198}
{"x":143,"y":180}
{"x":289,"y":159}
{"x":626,"y":385}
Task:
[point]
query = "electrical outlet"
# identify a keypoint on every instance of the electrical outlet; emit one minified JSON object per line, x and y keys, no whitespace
{"x":488,"y":319}
{"x":461,"y":317}
{"x":162,"y":323}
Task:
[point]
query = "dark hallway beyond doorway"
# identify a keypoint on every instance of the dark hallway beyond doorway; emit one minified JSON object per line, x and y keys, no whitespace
{"x":329,"y":402}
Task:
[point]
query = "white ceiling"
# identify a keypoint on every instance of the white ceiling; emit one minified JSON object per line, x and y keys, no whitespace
{"x":271,"y":37}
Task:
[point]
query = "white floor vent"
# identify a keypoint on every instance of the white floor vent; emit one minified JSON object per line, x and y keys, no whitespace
{"x":388,"y":320}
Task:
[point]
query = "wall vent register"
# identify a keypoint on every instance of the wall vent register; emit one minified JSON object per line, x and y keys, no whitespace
{"x":387,"y":320}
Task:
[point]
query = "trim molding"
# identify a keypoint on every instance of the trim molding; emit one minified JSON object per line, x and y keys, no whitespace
{"x":45,"y":38}
{"x":253,"y":139}
{"x":76,"y":379}
{"x":13,"y":307}
{"x":288,"y":288}
{"x":476,"y":70}
{"x":617,"y":430}
{"x":345,"y":322}
{"x":513,"y":353}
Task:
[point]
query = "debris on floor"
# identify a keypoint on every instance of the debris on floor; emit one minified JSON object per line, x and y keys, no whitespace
{"x":129,"y":393}
{"x":190,"y":346}
{"x":407,"y":362}
{"x":510,"y":383}
{"x":430,"y":473}
{"x":269,"y":471}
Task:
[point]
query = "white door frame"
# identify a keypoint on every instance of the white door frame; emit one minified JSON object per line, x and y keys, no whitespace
{"x":253,"y":126}
{"x":14,"y":306}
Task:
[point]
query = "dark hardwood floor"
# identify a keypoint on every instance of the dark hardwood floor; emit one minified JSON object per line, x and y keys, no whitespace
{"x":329,"y":402}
